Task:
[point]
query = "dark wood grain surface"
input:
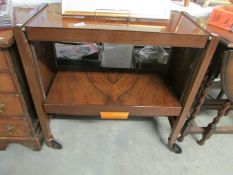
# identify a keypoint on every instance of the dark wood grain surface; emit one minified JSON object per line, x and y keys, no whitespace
{"x":104,"y":91}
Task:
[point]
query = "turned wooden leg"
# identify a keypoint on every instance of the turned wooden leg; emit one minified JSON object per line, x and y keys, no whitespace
{"x":189,"y":96}
{"x":199,"y":102}
{"x":212,"y":126}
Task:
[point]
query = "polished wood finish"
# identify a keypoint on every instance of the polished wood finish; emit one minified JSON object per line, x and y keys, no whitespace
{"x":51,"y":17}
{"x":74,"y":97}
{"x":89,"y":93}
{"x":127,"y":37}
{"x":50,"y":26}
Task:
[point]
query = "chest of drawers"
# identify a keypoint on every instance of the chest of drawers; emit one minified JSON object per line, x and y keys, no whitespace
{"x":18,"y":120}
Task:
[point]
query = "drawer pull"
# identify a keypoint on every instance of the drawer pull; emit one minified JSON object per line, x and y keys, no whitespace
{"x":10,"y":129}
{"x":2,"y":107}
{"x":114,"y":115}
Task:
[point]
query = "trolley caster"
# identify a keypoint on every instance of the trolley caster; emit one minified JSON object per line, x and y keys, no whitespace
{"x":176,"y":149}
{"x":55,"y":144}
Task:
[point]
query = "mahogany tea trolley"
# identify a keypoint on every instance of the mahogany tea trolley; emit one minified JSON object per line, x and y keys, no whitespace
{"x":114,"y":93}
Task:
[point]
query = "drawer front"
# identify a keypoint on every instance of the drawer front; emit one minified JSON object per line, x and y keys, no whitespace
{"x":10,"y":106}
{"x":7,"y":83}
{"x":14,"y":127}
{"x":3,"y":63}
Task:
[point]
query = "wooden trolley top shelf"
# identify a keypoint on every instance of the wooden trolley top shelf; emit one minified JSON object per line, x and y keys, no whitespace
{"x":180,"y":30}
{"x":89,"y":93}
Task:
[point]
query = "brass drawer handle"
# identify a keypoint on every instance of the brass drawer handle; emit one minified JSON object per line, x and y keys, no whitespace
{"x":10,"y":129}
{"x":2,"y":107}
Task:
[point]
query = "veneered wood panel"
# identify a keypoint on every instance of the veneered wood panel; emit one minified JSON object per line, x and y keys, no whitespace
{"x":90,"y":93}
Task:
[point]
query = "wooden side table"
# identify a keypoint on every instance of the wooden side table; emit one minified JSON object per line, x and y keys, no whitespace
{"x":224,"y":49}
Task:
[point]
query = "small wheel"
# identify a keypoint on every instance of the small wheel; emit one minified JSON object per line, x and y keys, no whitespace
{"x":176,"y":148}
{"x":55,"y":144}
{"x":180,"y":139}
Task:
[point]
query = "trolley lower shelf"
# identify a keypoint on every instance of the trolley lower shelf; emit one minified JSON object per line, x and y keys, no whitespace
{"x":89,"y":93}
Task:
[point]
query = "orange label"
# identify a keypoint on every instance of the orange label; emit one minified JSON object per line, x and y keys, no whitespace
{"x":114,"y":115}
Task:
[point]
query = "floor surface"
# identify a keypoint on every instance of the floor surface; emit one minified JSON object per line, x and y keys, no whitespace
{"x":131,"y":147}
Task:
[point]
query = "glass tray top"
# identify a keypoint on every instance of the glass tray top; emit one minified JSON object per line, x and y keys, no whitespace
{"x":179,"y":23}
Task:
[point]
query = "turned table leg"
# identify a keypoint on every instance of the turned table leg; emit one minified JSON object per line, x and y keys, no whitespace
{"x":199,"y":102}
{"x":212,"y":126}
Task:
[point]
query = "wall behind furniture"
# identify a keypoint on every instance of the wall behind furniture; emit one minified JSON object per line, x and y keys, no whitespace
{"x":32,"y":2}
